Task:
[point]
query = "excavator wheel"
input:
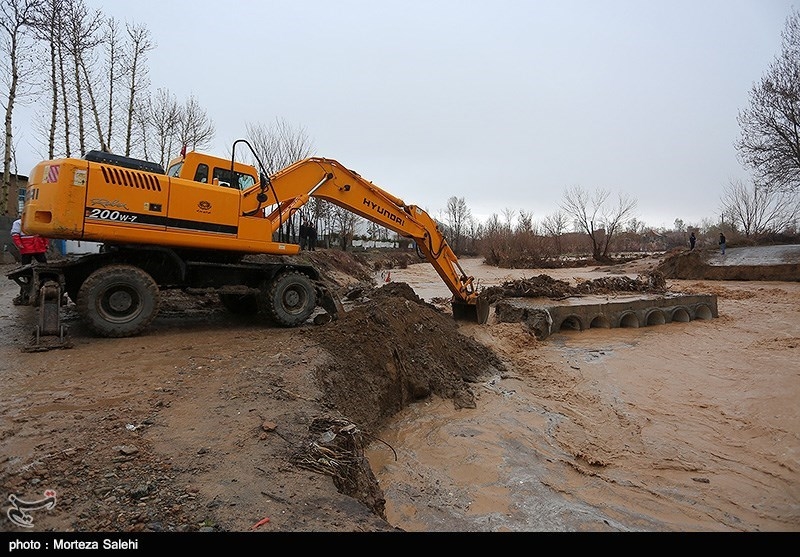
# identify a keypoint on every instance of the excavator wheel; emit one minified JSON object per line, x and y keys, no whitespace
{"x":288,"y":299}
{"x":118,"y":301}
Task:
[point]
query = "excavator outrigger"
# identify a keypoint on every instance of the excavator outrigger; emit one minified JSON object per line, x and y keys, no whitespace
{"x":190,"y":227}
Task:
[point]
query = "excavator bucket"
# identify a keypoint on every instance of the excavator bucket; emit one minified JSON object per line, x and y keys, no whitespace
{"x":330,"y":303}
{"x":477,"y":312}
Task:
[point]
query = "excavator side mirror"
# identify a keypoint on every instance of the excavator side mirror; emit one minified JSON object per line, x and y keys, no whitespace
{"x":261,"y":197}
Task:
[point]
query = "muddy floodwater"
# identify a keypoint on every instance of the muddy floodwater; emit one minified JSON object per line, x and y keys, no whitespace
{"x":685,"y":426}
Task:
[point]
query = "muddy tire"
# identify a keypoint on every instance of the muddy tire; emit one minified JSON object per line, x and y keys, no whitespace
{"x":240,"y":304}
{"x":289,"y":299}
{"x":118,"y":301}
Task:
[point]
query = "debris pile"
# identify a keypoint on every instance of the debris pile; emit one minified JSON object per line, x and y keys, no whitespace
{"x":335,"y":448}
{"x":545,"y":286}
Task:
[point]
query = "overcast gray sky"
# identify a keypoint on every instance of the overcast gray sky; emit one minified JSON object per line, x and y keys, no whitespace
{"x":504,"y":103}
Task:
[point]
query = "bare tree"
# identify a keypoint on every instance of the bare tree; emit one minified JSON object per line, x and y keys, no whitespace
{"x":49,"y":30}
{"x":344,"y":224}
{"x":17,"y":20}
{"x":595,"y":218}
{"x":79,"y":40}
{"x":635,"y":226}
{"x":554,"y":226}
{"x":164,"y":119}
{"x":195,"y":128}
{"x":113,"y":60}
{"x":525,"y":224}
{"x":136,"y":74}
{"x":770,"y":127}
{"x":142,"y":125}
{"x":458,"y":214}
{"x":509,"y":215}
{"x":757,"y":210}
{"x":63,"y":92}
{"x":279,"y":144}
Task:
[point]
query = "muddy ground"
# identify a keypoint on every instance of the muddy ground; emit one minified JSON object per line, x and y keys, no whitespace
{"x":210,"y":422}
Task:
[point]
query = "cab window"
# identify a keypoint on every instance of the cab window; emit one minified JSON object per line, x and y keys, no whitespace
{"x":175,"y":170}
{"x":246,"y":181}
{"x":201,"y":174}
{"x":232,"y":179}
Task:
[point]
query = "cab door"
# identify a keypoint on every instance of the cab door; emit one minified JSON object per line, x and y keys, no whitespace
{"x":203,"y":208}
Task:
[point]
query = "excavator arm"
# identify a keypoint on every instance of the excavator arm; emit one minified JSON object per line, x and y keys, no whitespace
{"x":284,"y":192}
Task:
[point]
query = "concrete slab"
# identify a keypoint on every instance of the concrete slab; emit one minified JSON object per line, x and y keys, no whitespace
{"x":756,"y":255}
{"x":544,"y":317}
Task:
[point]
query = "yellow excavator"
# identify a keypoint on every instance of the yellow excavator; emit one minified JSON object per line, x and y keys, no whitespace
{"x":190,"y":227}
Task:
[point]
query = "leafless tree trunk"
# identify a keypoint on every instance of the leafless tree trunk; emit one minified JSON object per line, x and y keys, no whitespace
{"x":759,"y":210}
{"x":322,"y":218}
{"x":17,"y":18}
{"x":93,"y":106}
{"x":142,"y":120}
{"x":457,"y":216}
{"x":136,"y":73}
{"x":112,"y":42}
{"x":87,"y":60}
{"x":79,"y":41}
{"x":49,"y":29}
{"x":65,"y":105}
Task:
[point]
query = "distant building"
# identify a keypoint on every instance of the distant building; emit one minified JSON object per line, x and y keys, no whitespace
{"x":19,"y":183}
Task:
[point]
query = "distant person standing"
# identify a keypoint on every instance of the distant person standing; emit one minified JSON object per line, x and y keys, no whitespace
{"x":722,"y":243}
{"x":304,"y":234}
{"x":30,"y":246}
{"x":312,"y":236}
{"x":692,"y":241}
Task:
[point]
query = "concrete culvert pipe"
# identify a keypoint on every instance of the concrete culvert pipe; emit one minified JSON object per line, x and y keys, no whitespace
{"x":571,"y":323}
{"x":629,"y":321}
{"x":655,"y":317}
{"x":703,"y":312}
{"x":681,"y":315}
{"x":600,"y":322}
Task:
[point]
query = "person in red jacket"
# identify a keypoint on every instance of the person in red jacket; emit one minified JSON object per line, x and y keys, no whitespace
{"x":30,"y":246}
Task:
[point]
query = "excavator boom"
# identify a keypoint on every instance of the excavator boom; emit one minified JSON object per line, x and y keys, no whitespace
{"x":327,"y":179}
